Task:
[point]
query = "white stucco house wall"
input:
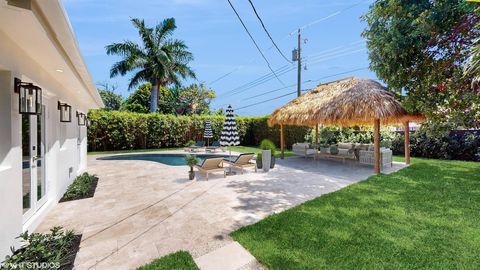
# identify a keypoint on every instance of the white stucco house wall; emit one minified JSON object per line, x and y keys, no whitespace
{"x":39,"y":155}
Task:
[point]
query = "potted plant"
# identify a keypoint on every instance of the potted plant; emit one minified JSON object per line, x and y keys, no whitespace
{"x":268,"y":154}
{"x":191,"y":162}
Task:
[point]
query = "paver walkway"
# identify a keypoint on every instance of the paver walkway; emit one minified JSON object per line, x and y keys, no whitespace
{"x":143,"y":210}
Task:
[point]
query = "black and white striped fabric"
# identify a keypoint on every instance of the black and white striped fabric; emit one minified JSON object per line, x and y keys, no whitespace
{"x":229,"y":135}
{"x":208,"y":133}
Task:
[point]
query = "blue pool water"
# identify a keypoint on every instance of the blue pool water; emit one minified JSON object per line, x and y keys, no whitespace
{"x":168,"y":159}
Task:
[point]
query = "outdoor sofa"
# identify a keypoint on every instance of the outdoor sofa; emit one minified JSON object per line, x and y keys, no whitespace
{"x":341,"y":151}
{"x":211,"y":165}
{"x":367,"y":157}
{"x":304,"y":149}
{"x":356,"y":151}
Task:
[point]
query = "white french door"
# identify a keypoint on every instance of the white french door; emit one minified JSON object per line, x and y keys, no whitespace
{"x":34,"y":188}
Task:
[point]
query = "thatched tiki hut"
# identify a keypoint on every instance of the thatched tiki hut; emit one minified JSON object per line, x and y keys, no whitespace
{"x":346,"y":103}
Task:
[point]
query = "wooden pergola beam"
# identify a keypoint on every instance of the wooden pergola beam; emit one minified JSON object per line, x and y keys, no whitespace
{"x":376,"y":146}
{"x":406,"y":128}
{"x":282,"y":143}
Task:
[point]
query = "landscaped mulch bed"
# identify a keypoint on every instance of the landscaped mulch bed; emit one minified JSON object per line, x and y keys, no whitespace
{"x":72,"y":253}
{"x":90,"y":194}
{"x":54,"y":250}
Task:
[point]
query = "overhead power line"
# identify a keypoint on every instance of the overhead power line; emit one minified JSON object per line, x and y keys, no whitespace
{"x":338,"y":12}
{"x":260,"y":82}
{"x":266,"y":31}
{"x":308,"y":81}
{"x":258,"y":103}
{"x":268,"y":77}
{"x":254,"y":42}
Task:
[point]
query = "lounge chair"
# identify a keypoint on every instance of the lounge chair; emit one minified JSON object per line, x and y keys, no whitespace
{"x":210,"y":165}
{"x":198,"y":146}
{"x":213,"y":148}
{"x":243,"y":161}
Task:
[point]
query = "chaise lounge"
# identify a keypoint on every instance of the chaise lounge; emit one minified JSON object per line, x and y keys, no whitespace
{"x":198,"y":146}
{"x":211,"y":165}
{"x":243,"y":161}
{"x":214,"y":147}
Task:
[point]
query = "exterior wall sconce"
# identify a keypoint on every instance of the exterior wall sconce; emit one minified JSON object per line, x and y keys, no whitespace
{"x":65,"y":112}
{"x":82,"y":119}
{"x":29,"y":97}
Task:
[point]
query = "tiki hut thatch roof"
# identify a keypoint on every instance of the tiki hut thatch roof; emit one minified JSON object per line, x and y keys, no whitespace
{"x":349,"y":102}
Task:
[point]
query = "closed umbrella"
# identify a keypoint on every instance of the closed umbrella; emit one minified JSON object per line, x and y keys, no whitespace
{"x":229,"y":135}
{"x":208,"y":133}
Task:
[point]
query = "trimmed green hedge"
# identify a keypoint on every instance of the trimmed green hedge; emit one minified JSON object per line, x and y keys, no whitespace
{"x":119,"y":130}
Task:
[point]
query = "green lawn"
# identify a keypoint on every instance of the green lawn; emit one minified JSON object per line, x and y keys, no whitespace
{"x":180,"y":260}
{"x":249,"y":149}
{"x":425,"y":216}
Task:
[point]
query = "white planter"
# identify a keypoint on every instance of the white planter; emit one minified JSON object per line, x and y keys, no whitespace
{"x":266,"y":160}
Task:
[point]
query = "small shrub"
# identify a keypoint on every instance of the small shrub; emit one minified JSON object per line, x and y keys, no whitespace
{"x":54,"y":250}
{"x":190,"y":143}
{"x":81,"y":188}
{"x":266,"y":144}
{"x":191,"y":160}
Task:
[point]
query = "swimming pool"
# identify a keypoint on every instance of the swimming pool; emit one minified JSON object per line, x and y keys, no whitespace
{"x":168,"y":159}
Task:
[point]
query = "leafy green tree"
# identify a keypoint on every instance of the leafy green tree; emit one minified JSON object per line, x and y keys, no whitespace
{"x":419,"y":48}
{"x":111,"y":100}
{"x":160,"y":59}
{"x":473,"y":66}
{"x":139,"y":101}
{"x":194,"y":99}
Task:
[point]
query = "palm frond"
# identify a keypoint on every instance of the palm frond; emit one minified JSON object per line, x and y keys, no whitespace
{"x":146,"y":34}
{"x":126,"y":48}
{"x":164,"y":30}
{"x":139,"y":77}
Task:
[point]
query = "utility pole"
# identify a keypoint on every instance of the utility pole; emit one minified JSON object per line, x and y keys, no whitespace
{"x":299,"y":58}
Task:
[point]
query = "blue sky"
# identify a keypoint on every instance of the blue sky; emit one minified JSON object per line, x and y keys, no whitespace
{"x":220,"y":44}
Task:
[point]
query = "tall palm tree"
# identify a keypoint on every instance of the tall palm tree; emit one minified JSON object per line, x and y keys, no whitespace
{"x":161,"y":59}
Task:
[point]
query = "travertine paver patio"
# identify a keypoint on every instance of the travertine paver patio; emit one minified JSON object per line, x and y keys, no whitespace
{"x":143,"y":210}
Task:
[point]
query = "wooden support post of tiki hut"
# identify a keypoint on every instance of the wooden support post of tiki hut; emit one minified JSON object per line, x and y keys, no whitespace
{"x":282,"y":143}
{"x":316,"y":135}
{"x":376,"y":145}
{"x":407,"y":142}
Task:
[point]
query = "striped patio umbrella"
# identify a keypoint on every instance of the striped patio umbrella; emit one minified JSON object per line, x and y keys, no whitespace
{"x":229,"y":135}
{"x":208,"y":133}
